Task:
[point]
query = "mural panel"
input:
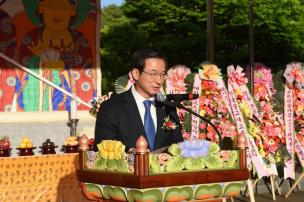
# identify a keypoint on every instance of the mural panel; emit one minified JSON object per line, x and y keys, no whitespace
{"x":57,"y":40}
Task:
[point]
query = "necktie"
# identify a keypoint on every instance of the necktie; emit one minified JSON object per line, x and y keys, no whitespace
{"x":148,"y":124}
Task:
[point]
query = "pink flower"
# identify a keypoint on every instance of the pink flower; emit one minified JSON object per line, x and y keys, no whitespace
{"x":227,"y":128}
{"x":237,"y":75}
{"x":211,"y":134}
{"x":163,"y":158}
{"x":202,"y":136}
{"x":260,"y":92}
{"x":222,"y":108}
{"x":262,"y":74}
{"x":272,"y":146}
{"x":225,"y":155}
{"x":186,"y":135}
{"x":176,"y":77}
{"x":266,"y":107}
{"x":168,"y":124}
{"x":299,"y":107}
{"x":300,"y":94}
{"x":202,"y":126}
{"x":270,"y":130}
{"x":294,"y":75}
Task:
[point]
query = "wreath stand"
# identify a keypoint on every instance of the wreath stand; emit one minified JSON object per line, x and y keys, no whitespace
{"x":295,"y":184}
{"x":252,"y":183}
{"x":297,"y":181}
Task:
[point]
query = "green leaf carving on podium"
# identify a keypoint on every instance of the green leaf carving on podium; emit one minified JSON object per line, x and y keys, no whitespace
{"x":208,"y":191}
{"x":232,"y":162}
{"x":101,"y":164}
{"x":111,"y":165}
{"x":120,"y":165}
{"x":214,"y":148}
{"x":154,"y":164}
{"x":114,"y":193}
{"x":94,"y":190}
{"x":153,"y":195}
{"x":195,"y":164}
{"x":176,"y":163}
{"x":213,"y":162}
{"x":174,"y":150}
{"x":179,"y":194}
{"x":232,"y":189}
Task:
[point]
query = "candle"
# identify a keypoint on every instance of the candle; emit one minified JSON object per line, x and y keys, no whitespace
{"x":73,"y":109}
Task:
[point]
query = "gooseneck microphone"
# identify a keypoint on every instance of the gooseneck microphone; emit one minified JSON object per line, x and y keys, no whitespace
{"x":176,"y":97}
{"x":174,"y":100}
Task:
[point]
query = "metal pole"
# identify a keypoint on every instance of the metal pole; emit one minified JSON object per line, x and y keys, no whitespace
{"x":251,"y":47}
{"x":210,"y":31}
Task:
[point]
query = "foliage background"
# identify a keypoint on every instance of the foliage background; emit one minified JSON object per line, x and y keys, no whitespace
{"x":179,"y":29}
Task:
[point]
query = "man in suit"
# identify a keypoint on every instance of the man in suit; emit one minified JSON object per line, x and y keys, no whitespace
{"x":127,"y":116}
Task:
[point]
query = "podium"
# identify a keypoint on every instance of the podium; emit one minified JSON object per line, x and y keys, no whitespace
{"x":143,"y":186}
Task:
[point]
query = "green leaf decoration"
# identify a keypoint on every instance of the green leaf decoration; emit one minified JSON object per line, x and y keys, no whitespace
{"x":214,"y":148}
{"x":154,"y":166}
{"x":176,"y":163}
{"x":208,"y":191}
{"x":232,"y":189}
{"x":30,"y":8}
{"x":101,"y":164}
{"x":233,"y":159}
{"x":195,"y":164}
{"x":153,"y":195}
{"x":121,"y":83}
{"x":213,"y":162}
{"x":94,"y":190}
{"x":122,"y":165}
{"x":83,"y":8}
{"x":179,"y":194}
{"x":174,"y":150}
{"x":115,"y":193}
{"x":112,"y":165}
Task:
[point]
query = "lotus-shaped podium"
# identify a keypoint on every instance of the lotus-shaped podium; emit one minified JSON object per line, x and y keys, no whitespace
{"x":188,"y":171}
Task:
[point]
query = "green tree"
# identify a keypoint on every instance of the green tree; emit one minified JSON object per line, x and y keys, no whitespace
{"x":179,"y":29}
{"x":118,"y":39}
{"x":279,"y":29}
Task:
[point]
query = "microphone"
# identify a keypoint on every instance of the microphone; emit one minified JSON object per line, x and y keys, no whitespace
{"x":174,"y":100}
{"x":176,"y":97}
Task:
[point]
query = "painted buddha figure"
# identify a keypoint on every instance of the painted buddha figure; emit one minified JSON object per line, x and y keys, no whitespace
{"x":60,"y":54}
{"x":8,"y":47}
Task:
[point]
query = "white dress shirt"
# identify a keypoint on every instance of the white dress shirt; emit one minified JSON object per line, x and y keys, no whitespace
{"x":141,"y":107}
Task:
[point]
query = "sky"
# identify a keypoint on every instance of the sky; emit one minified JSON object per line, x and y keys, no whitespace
{"x":107,"y":2}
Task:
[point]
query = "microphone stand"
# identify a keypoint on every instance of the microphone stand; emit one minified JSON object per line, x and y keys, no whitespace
{"x":179,"y":105}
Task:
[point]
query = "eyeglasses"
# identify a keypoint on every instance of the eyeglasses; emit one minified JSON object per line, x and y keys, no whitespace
{"x":154,"y":76}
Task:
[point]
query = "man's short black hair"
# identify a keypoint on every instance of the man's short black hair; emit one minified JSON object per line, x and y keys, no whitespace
{"x":139,"y":57}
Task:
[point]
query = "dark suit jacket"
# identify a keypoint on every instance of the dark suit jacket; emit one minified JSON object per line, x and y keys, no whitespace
{"x":119,"y":119}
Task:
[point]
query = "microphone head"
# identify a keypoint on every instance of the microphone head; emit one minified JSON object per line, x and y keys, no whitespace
{"x":161,"y":97}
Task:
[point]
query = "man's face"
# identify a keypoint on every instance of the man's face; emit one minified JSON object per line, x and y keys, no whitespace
{"x":57,"y":14}
{"x":150,"y":80}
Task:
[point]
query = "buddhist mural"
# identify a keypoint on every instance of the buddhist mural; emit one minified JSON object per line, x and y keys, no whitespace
{"x":57,"y":40}
{"x":8,"y":46}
